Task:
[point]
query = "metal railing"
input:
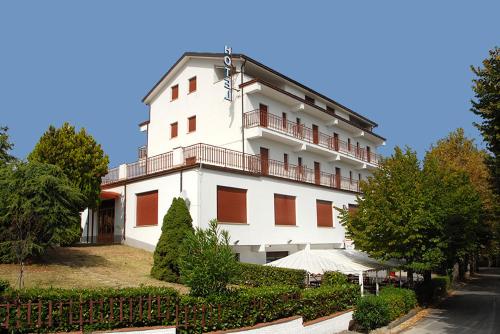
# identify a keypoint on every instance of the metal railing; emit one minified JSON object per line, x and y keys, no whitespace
{"x":111,"y":176}
{"x":257,"y":118}
{"x":235,"y":160}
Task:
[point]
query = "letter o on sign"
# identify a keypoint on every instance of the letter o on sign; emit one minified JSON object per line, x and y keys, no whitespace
{"x":227,"y":60}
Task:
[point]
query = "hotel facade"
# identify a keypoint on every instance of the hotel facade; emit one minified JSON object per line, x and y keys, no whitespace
{"x":268,"y":157}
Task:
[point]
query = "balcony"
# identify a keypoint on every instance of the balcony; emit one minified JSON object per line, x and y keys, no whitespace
{"x":227,"y":159}
{"x":299,"y":133}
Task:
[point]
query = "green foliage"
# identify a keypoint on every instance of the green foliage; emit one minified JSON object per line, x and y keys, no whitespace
{"x":177,"y":223}
{"x":400,"y":301}
{"x":207,"y":264}
{"x":5,"y":146}
{"x":258,"y":275}
{"x":108,"y":297}
{"x":4,"y":285}
{"x":486,"y":105}
{"x":376,"y":311}
{"x":371,"y":312}
{"x":331,"y":278}
{"x":39,"y":208}
{"x":79,"y":156}
{"x":326,"y":300}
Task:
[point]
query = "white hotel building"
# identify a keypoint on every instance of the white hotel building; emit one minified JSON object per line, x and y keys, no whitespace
{"x":271,"y":163}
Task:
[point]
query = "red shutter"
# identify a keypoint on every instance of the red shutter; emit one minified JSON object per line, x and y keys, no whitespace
{"x":192,"y":84}
{"x":175,"y":92}
{"x":147,"y":209}
{"x":231,"y":205}
{"x":192,"y":124}
{"x":173,"y":130}
{"x":284,"y":209}
{"x":324,"y":213}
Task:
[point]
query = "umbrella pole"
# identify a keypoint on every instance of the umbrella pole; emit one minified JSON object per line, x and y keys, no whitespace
{"x":376,"y":282}
{"x":400,"y":283}
{"x":361,"y":283}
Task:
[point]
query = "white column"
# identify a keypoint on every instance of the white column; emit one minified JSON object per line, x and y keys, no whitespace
{"x":122,"y":171}
{"x":376,"y":283}
{"x":361,"y":283}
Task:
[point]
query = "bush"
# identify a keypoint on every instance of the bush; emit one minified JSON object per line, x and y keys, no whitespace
{"x":207,"y":263}
{"x":400,"y":301}
{"x":4,"y":285}
{"x":371,"y":312}
{"x":377,"y":311}
{"x":177,"y":223}
{"x":325,"y":300}
{"x":258,"y":275}
{"x":333,"y":278}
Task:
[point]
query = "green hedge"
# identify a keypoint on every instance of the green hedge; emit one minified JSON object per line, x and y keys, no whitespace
{"x":376,"y":311}
{"x":333,"y":278}
{"x":239,"y":308}
{"x":258,"y":275}
{"x":4,"y":285}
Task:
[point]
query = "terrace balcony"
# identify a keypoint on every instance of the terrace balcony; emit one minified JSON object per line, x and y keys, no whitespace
{"x":223,"y":158}
{"x":309,"y":139}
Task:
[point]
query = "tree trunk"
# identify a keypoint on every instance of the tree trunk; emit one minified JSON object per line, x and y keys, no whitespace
{"x":427,"y":277}
{"x":409,"y":277}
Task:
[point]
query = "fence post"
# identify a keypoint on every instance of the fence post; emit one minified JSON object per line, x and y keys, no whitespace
{"x":18,"y":315}
{"x":158,"y":305}
{"x":29,"y":313}
{"x":121,"y":309}
{"x":140,"y":308}
{"x":111,"y":312}
{"x":203,"y":316}
{"x":39,"y":313}
{"x":149,"y":307}
{"x":91,"y":311}
{"x":7,"y":316}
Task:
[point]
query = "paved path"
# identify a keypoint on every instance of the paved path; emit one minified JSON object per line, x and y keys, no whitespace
{"x":475,"y":308}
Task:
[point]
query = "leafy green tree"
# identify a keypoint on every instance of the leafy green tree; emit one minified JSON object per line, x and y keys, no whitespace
{"x":177,"y":223}
{"x":39,"y":208}
{"x":5,"y":146}
{"x":395,"y":218}
{"x":207,"y":263}
{"x":486,"y":87}
{"x":79,"y":156}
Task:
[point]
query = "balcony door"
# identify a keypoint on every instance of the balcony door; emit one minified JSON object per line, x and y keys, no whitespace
{"x":264,"y":161}
{"x":263,"y":115}
{"x":368,"y":158}
{"x":106,"y":222}
{"x":315,"y":134}
{"x":335,"y":141}
{"x":317,"y":173}
{"x":337,"y":177}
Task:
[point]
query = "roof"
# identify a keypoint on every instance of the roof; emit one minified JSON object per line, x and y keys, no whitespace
{"x":244,"y":57}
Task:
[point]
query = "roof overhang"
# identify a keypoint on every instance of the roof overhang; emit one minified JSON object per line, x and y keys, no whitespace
{"x":109,"y":195}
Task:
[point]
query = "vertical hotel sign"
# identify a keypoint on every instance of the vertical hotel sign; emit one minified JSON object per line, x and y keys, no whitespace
{"x":228,"y":64}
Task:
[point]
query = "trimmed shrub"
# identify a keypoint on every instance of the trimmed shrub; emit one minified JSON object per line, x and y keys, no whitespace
{"x":207,"y":262}
{"x":177,"y":223}
{"x":258,"y":275}
{"x":377,"y":311}
{"x":325,"y":300}
{"x":371,"y":312}
{"x":400,"y":301}
{"x":333,"y":278}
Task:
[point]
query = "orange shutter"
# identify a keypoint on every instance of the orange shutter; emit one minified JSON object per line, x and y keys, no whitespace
{"x":324,"y":213}
{"x":284,"y":209}
{"x":192,"y":124}
{"x":192,"y":84}
{"x":173,"y":130}
{"x":231,"y":205}
{"x":175,"y":92}
{"x":147,"y":209}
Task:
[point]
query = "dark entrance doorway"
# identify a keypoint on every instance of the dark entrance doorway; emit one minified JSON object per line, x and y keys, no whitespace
{"x":106,"y":222}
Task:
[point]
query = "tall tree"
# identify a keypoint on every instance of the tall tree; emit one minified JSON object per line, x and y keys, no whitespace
{"x":395,"y":218}
{"x":177,"y":223}
{"x":486,"y":88}
{"x":5,"y":146}
{"x":39,"y":208}
{"x":459,"y":154}
{"x":79,"y":156}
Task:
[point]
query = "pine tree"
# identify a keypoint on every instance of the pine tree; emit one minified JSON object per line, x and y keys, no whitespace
{"x":176,"y":225}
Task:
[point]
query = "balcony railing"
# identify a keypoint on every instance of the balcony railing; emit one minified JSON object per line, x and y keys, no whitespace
{"x":230,"y":159}
{"x":257,"y":118}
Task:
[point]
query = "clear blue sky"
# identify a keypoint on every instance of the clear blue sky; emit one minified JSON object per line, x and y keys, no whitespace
{"x":403,"y":64}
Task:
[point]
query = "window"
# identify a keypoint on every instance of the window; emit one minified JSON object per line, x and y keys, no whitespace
{"x":173,"y":130}
{"x":324,"y":213}
{"x":349,"y":144}
{"x":175,"y":92}
{"x":231,"y":205}
{"x":309,"y":99}
{"x":273,"y":256}
{"x":192,"y":124}
{"x":299,"y":161}
{"x":147,"y":209}
{"x":284,"y":210}
{"x":359,"y":177}
{"x":192,"y":84}
{"x":350,"y":176}
{"x":285,"y":161}
{"x":330,"y":109}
